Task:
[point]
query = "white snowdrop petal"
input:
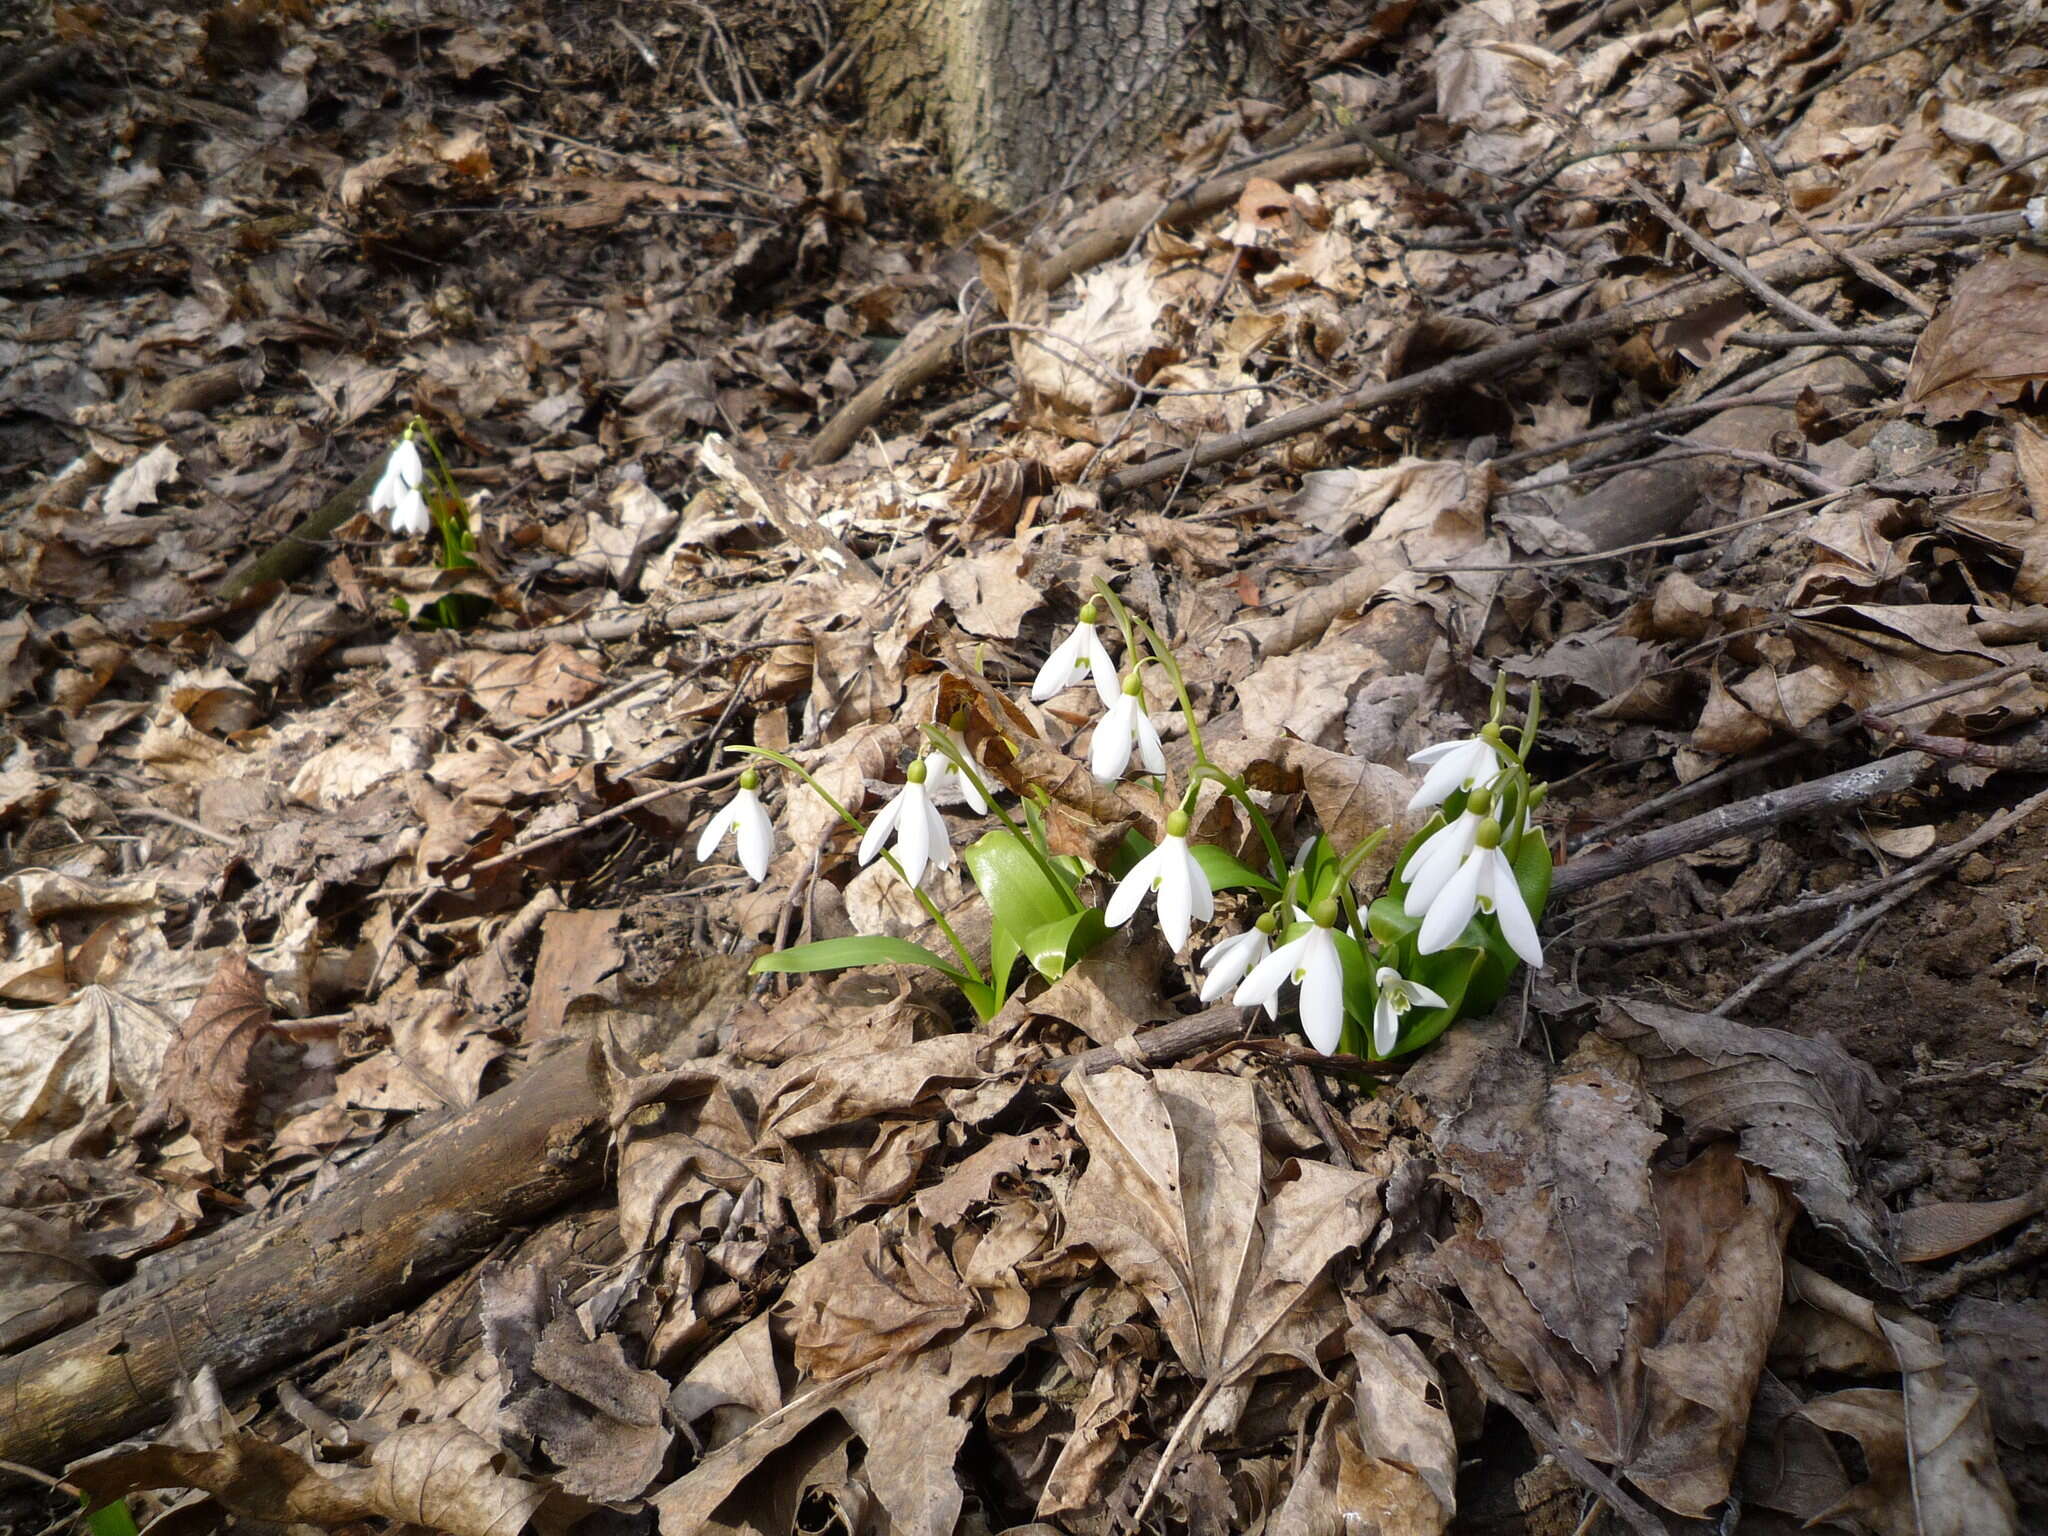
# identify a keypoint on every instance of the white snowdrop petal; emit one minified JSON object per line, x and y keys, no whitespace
{"x":1269,"y":975}
{"x":1149,"y":751}
{"x":1515,"y":924}
{"x":1322,"y":993}
{"x":879,"y":829}
{"x":1452,"y":909}
{"x":756,"y":839}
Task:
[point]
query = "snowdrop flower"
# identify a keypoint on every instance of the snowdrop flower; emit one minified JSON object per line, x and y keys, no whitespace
{"x":1125,"y":726}
{"x":398,"y":491}
{"x":1311,"y":962}
{"x":753,"y":833}
{"x":1078,"y":659}
{"x":1397,"y":996}
{"x":1226,"y":963}
{"x":940,"y":773}
{"x":1430,"y":868}
{"x":1171,"y":870}
{"x":1485,"y":882}
{"x":1455,"y":765}
{"x":919,"y":829}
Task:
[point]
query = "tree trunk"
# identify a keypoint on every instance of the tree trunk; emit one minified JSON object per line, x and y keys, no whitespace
{"x":1026,"y":96}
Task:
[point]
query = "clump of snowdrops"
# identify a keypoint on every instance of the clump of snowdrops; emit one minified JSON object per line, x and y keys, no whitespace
{"x":1441,"y":942}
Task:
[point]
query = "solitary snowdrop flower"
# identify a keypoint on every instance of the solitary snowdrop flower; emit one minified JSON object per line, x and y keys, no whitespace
{"x":1454,"y":765}
{"x":1397,"y":996}
{"x":745,"y":818}
{"x":1484,"y":883}
{"x":1078,"y":659}
{"x":1227,"y":962}
{"x":1124,"y":727}
{"x":1311,"y":963}
{"x":398,"y":491}
{"x":1171,"y":870}
{"x":1430,"y":868}
{"x":919,"y":829}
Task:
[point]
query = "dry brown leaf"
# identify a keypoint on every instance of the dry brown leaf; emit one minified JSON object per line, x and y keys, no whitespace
{"x":1175,"y":1200}
{"x":517,"y":689}
{"x":1934,"y":1231}
{"x":47,"y":1280}
{"x":1986,"y":345}
{"x":206,"y":1082}
{"x":883,"y":1291}
{"x":1934,"y":1469}
{"x":1802,"y":1108}
{"x":1560,"y":1168}
{"x":2004,"y":1347}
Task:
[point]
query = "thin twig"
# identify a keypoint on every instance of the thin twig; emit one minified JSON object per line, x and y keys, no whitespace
{"x":1908,"y":881}
{"x":1785,"y":341}
{"x":1736,"y":268}
{"x":172,"y":818}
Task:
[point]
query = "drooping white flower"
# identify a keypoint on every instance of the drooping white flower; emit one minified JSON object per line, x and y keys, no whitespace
{"x":747,"y":820}
{"x":1311,"y":963}
{"x":1454,"y":765}
{"x":1078,"y":659}
{"x":941,"y":778}
{"x":1124,"y":727}
{"x":1397,"y":995}
{"x":1171,"y":870}
{"x":1430,"y":868}
{"x":919,"y":829}
{"x":1227,"y":962}
{"x":1484,"y":883}
{"x":398,"y":491}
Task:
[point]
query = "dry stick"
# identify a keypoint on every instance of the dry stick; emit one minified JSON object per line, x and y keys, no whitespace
{"x":1837,"y":792}
{"x":1909,"y":881}
{"x":1633,"y":1515}
{"x":1785,"y":341}
{"x":1761,"y":154}
{"x":923,"y":357}
{"x":1791,"y":309}
{"x":1920,"y":869}
{"x":1489,"y":362}
{"x":1713,"y":780}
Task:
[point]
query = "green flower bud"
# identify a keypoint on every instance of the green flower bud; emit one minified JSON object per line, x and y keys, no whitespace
{"x":1324,"y":912}
{"x":914,"y":774}
{"x":957,"y":721}
{"x":1538,"y":793}
{"x":1134,"y":685}
{"x":1490,"y":733}
{"x":749,"y":779}
{"x":1176,"y":823}
{"x":1268,"y":922}
{"x":1088,"y":613}
{"x":1480,"y":801}
{"x":1488,"y":835}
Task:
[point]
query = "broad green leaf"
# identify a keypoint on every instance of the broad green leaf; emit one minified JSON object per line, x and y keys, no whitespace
{"x":861,"y":949}
{"x":1057,"y":946}
{"x":1389,"y":924}
{"x":1228,"y":873}
{"x":1019,"y":892}
{"x":110,"y":1519}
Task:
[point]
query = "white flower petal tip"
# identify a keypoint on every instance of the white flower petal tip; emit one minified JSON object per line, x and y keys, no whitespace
{"x":1311,"y":962}
{"x":753,"y":834}
{"x":1124,"y":730}
{"x":1454,"y":765}
{"x":1431,"y":866}
{"x":1484,"y":884}
{"x":1227,"y":962}
{"x":1396,"y":996}
{"x":922,"y":840}
{"x":1078,"y":659}
{"x":1170,"y":870}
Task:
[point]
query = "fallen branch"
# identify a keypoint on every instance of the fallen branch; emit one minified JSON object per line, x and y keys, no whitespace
{"x":1828,"y":796}
{"x":1492,"y":362}
{"x":266,"y":1292}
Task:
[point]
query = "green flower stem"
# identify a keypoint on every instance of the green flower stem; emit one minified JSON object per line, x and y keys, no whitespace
{"x":1123,"y":617}
{"x":959,"y":759}
{"x":931,"y":908}
{"x":1233,"y":787}
{"x":1357,"y":856}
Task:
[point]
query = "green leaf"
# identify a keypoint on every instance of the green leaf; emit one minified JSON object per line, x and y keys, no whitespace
{"x":1228,"y":873}
{"x":109,"y":1519}
{"x":861,"y":949}
{"x":1389,"y":923}
{"x":1057,"y":946}
{"x":1019,"y":892}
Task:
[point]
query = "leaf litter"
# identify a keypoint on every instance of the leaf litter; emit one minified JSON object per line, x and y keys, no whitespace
{"x":287,"y":875}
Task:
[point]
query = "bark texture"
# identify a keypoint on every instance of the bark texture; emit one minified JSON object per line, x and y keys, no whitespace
{"x":1025,"y":95}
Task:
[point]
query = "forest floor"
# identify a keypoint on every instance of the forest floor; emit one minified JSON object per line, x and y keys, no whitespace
{"x":1682,"y":368}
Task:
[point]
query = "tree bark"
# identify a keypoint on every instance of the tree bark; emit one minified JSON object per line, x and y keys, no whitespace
{"x":1025,"y":96}
{"x":274,"y":1291}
